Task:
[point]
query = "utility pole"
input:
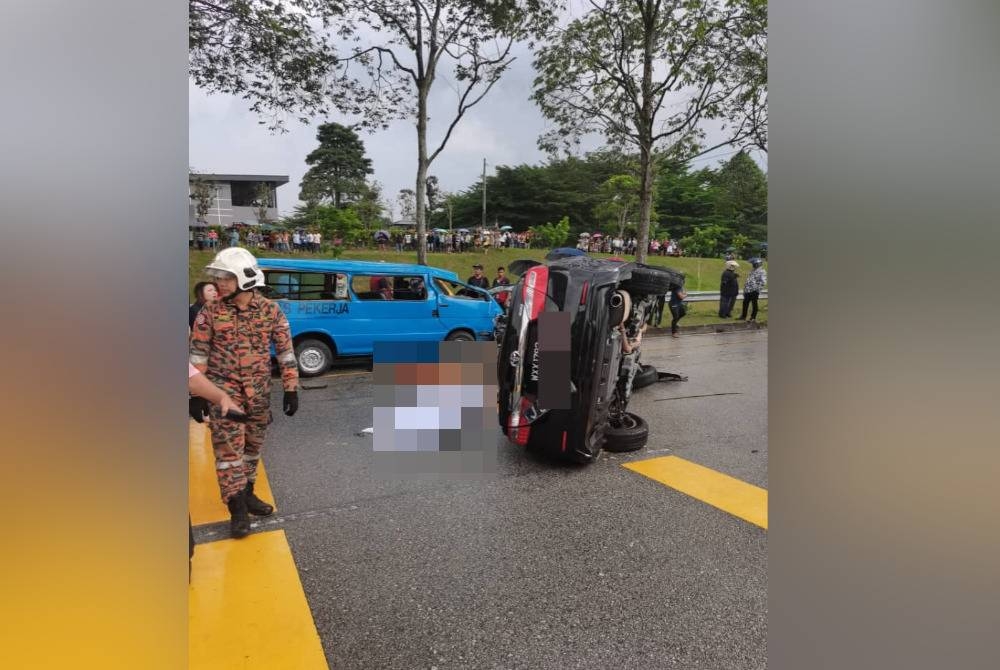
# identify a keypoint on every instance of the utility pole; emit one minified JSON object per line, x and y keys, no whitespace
{"x":484,"y":194}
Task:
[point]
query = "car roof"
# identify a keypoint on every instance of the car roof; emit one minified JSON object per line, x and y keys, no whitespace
{"x":354,"y":267}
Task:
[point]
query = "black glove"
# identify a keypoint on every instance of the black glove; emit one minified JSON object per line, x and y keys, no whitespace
{"x":291,"y":402}
{"x":198,"y":408}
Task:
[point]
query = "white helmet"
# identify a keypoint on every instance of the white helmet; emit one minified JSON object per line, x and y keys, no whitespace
{"x":239,"y":262}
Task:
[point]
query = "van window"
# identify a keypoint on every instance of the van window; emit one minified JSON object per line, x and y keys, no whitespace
{"x":308,"y":285}
{"x":456,"y":290}
{"x":389,"y":287}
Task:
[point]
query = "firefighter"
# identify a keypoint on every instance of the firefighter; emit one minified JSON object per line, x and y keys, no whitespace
{"x":231,"y":344}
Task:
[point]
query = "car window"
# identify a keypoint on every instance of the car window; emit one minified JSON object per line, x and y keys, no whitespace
{"x":389,"y":287}
{"x":456,"y":290}
{"x":307,"y":285}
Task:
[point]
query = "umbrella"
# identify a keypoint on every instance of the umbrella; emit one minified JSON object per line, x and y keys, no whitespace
{"x":382,"y":235}
{"x":597,"y":235}
{"x":463,"y":230}
{"x":584,"y":234}
{"x":440,"y":230}
{"x":506,"y":228}
{"x":564,"y":252}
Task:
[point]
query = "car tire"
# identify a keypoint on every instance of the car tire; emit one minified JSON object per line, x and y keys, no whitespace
{"x":460,"y":336}
{"x":653,"y":281}
{"x":314,"y":357}
{"x":648,"y":376}
{"x":632,"y":435}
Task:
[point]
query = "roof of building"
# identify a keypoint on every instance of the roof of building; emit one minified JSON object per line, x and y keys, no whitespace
{"x":278,"y":179}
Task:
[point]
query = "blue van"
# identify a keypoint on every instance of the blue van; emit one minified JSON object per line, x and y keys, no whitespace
{"x":341,"y":308}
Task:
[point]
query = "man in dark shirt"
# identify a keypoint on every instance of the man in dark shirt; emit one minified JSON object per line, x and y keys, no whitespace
{"x":478,"y":279}
{"x":501,"y":280}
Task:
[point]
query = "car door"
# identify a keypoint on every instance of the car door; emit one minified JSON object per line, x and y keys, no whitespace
{"x":391,"y":307}
{"x":464,"y":306}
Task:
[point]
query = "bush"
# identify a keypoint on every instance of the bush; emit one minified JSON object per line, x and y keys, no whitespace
{"x":551,"y":234}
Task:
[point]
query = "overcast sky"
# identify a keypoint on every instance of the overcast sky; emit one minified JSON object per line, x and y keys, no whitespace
{"x":226,"y":138}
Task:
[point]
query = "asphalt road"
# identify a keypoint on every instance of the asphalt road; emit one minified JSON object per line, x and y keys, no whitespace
{"x":546,"y":565}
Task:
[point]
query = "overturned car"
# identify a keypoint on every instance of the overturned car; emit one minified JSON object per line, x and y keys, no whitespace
{"x":569,"y":344}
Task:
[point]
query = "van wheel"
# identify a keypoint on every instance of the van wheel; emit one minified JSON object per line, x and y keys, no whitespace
{"x":314,"y":357}
{"x":460,"y":336}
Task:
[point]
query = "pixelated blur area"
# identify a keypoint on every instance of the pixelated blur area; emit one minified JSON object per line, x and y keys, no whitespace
{"x":434,"y":415}
{"x":554,"y":360}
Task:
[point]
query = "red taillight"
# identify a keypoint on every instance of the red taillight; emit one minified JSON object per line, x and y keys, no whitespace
{"x":564,"y":441}
{"x":518,"y":430}
{"x":583,"y":296}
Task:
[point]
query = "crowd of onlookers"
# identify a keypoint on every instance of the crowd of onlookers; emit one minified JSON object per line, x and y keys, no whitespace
{"x":275,"y":240}
{"x":627,"y":245}
{"x":442,"y":241}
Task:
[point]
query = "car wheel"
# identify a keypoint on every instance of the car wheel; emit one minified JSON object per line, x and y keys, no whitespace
{"x":314,"y":357}
{"x":631,"y":435}
{"x":652,"y":281}
{"x":460,"y":336}
{"x":648,"y":376}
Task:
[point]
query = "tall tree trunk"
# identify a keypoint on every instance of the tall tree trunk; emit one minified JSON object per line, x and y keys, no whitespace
{"x":645,"y":201}
{"x":645,"y":131}
{"x":421,"y":186}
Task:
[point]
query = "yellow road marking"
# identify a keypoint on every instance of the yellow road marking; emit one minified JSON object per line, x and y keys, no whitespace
{"x":729,"y":494}
{"x":247,"y":609}
{"x":204,"y":502}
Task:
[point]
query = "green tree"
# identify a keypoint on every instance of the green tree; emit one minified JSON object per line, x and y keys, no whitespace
{"x":686,"y":200}
{"x":620,"y":196}
{"x":552,"y":234}
{"x":202,"y":192}
{"x":706,"y":242}
{"x":338,"y":169}
{"x":332,"y":222}
{"x":266,"y":52}
{"x":742,"y":196}
{"x":645,"y":72}
{"x":404,"y":48}
{"x":262,"y":201}
{"x":369,"y":208}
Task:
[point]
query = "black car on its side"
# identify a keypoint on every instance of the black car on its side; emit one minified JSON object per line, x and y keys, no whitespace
{"x":606,"y":301}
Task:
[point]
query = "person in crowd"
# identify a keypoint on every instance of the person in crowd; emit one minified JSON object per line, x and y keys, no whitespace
{"x":729,"y":289}
{"x":231,"y":344}
{"x":204,"y":291}
{"x":234,"y":237}
{"x":751,"y":290}
{"x":501,"y":280}
{"x":678,"y":308}
{"x":478,"y":279}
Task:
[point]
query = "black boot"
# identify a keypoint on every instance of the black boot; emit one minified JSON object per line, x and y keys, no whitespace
{"x":255,"y":505}
{"x":239,"y":526}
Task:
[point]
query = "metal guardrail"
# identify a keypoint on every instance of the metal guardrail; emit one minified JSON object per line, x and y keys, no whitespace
{"x":713,"y":296}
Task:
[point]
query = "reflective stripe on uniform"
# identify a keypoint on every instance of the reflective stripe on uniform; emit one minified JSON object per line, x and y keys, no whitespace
{"x":198,"y":359}
{"x":251,"y":457}
{"x":287,"y":357}
{"x":225,"y":465}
